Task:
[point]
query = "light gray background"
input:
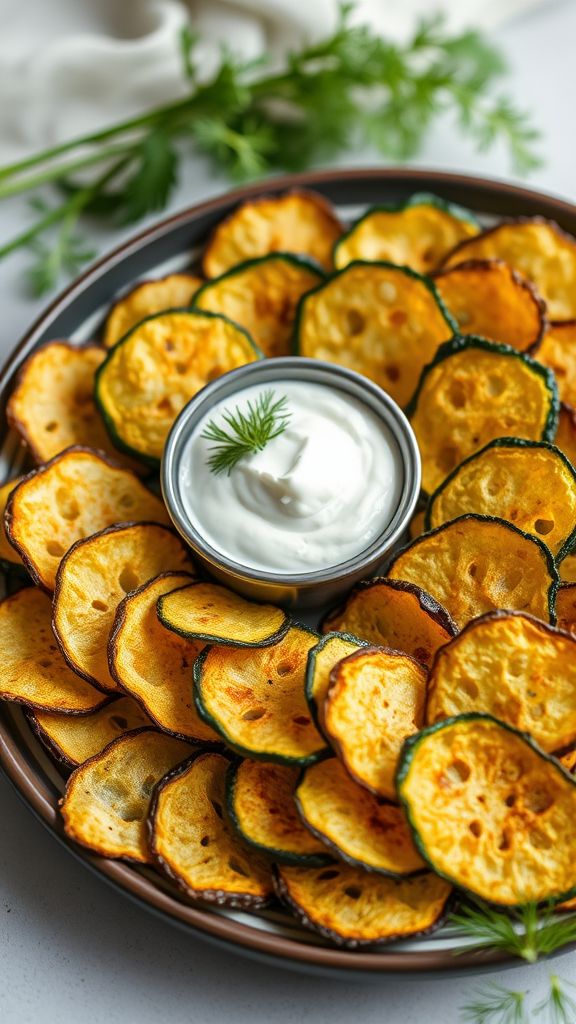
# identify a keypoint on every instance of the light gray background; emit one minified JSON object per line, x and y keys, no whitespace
{"x":71,"y":950}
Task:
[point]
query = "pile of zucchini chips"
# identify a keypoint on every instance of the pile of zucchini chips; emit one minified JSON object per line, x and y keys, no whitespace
{"x":418,"y":748}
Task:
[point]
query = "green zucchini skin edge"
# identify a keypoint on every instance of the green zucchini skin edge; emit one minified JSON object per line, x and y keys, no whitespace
{"x":210,"y":638}
{"x":149,"y":460}
{"x":310,"y":860}
{"x":311,"y":665}
{"x":548,"y":557}
{"x":428,"y":283}
{"x":302,"y":262}
{"x":507,"y":442}
{"x":409,"y":747}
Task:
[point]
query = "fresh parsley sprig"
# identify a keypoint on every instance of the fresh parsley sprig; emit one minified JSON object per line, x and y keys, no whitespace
{"x":249,"y":432}
{"x":351,"y":87}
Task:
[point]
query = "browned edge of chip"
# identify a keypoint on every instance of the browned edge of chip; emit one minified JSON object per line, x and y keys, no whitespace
{"x":507,"y":222}
{"x":426,"y":602}
{"x":135,"y":287}
{"x":51,"y":746}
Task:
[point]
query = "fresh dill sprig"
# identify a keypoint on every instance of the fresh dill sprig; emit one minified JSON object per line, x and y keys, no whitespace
{"x":558,"y":1006}
{"x":527,"y":932}
{"x":495,"y":1004}
{"x":249,"y":432}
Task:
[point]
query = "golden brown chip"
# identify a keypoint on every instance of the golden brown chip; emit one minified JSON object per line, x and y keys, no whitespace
{"x":72,"y":739}
{"x":558,"y":351}
{"x":565,"y":438}
{"x":568,"y":761}
{"x":8,"y":555}
{"x":192,"y":841}
{"x":107,"y":798}
{"x":74,"y":495}
{"x":216,"y":615}
{"x":566,"y":606}
{"x":146,"y":299}
{"x":95,"y":576}
{"x":322,"y":658}
{"x":416,"y":526}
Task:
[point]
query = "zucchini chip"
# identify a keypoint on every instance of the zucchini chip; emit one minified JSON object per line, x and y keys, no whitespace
{"x":566,"y":607}
{"x":539,"y":250}
{"x":150,"y":375}
{"x":32,"y":670}
{"x":154,"y":665}
{"x":147,"y":299}
{"x":322,"y":658}
{"x":262,"y":809}
{"x":353,"y":908}
{"x":567,"y":569}
{"x":558,"y":351}
{"x":107,"y":798}
{"x":493,"y":482}
{"x":416,"y":524}
{"x":383,"y":321}
{"x":476,"y":564}
{"x":298,"y":221}
{"x":513,"y":667}
{"x":418,"y":233}
{"x":193,"y":843}
{"x":92,"y":580}
{"x":255,"y":699}
{"x":216,"y":615}
{"x":488,"y":298}
{"x":566,"y":434}
{"x":376,"y":699}
{"x":262,"y":295}
{"x":568,"y":761}
{"x":361,"y":828}
{"x":396,"y":614}
{"x":470,"y":394}
{"x":490,"y":812}
{"x":72,"y":739}
{"x":74,"y":495}
{"x":9,"y":557}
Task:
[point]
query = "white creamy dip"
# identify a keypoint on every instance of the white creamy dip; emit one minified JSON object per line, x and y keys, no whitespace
{"x":315,"y":496}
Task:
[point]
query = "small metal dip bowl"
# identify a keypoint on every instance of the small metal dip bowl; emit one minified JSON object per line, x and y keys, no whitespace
{"x":307,"y":589}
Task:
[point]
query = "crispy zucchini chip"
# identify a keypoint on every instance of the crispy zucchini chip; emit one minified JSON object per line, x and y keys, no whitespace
{"x":567,"y":569}
{"x":492,"y":482}
{"x":539,"y":250}
{"x":216,"y":615}
{"x":361,"y":828}
{"x":9,"y":557}
{"x":417,"y":234}
{"x":95,"y":576}
{"x":488,"y":298}
{"x":384,"y":321}
{"x":74,"y":495}
{"x":107,"y":798}
{"x":558,"y":351}
{"x":299,"y":222}
{"x":566,"y":434}
{"x":72,"y":739}
{"x":157,"y":368}
{"x":353,"y":908}
{"x":416,"y":525}
{"x":396,"y":614}
{"x":476,"y":564}
{"x":255,"y":699}
{"x":513,"y":667}
{"x":376,"y":699}
{"x":262,"y":296}
{"x":568,"y":761}
{"x":153,"y":664}
{"x":322,"y":658}
{"x":32,"y":670}
{"x":262,"y":809}
{"x":147,"y":299}
{"x":566,"y":607}
{"x":472,"y":393}
{"x":489,"y":811}
{"x":194,"y":844}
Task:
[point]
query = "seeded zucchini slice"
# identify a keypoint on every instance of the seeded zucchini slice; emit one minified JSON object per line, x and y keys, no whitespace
{"x":74,"y":495}
{"x":260,"y":800}
{"x":194,"y":844}
{"x":490,"y":811}
{"x":72,"y":739}
{"x":150,"y":375}
{"x":418,"y":233}
{"x":539,"y":250}
{"x":488,"y":298}
{"x":376,"y":699}
{"x":214,"y":614}
{"x":147,"y":299}
{"x":32,"y":670}
{"x":385,"y":322}
{"x":362,"y":829}
{"x":95,"y":576}
{"x":9,"y":557}
{"x":476,"y":564}
{"x":353,"y":908}
{"x":321,"y":660}
{"x":493,"y":482}
{"x":262,"y":295}
{"x":396,"y":614}
{"x":470,"y":394}
{"x":566,"y":607}
{"x":558,"y":351}
{"x":255,"y":699}
{"x":566,"y":434}
{"x":513,"y":667}
{"x":298,"y":221}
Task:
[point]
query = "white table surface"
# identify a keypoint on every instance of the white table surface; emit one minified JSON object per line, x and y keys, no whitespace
{"x":71,"y":949}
